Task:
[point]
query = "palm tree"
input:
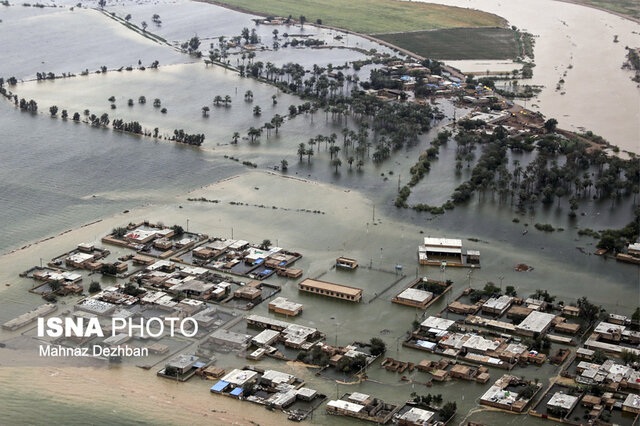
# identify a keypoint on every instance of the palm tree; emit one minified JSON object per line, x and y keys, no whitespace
{"x":227,"y":100}
{"x":277,"y":121}
{"x":257,"y":110}
{"x":205,"y":111}
{"x":333,"y":150}
{"x":302,"y":150}
{"x":336,"y":163}
{"x":254,"y":133}
{"x":359,"y":164}
{"x":284,"y":165}
{"x":309,"y":154}
{"x":268,"y":127}
{"x":235,"y":137}
{"x":248,"y":96}
{"x":350,"y":160}
{"x":217,"y":100}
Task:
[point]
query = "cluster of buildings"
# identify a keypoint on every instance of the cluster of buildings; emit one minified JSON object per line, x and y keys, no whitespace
{"x":438,"y":335}
{"x":561,"y":403}
{"x":368,"y":408}
{"x":242,"y":258}
{"x":234,"y":256}
{"x":614,"y":336}
{"x":363,"y":407}
{"x":270,"y":388}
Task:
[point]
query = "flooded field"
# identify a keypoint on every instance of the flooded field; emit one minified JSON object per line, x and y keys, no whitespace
{"x":600,"y":97}
{"x":67,"y":40}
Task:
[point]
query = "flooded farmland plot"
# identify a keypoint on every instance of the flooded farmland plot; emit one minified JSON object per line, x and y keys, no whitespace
{"x":67,"y":42}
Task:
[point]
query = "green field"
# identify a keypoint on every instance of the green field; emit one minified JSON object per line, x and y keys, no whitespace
{"x":371,"y":16}
{"x":458,"y":43}
{"x":626,"y":7}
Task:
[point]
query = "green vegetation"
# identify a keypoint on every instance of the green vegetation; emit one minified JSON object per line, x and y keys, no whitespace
{"x":371,"y":16}
{"x":528,"y":391}
{"x":617,"y":239}
{"x":459,"y":43}
{"x":314,"y":357}
{"x":425,"y":401}
{"x":625,"y":7}
{"x":94,"y":287}
{"x":544,"y":227}
{"x":352,"y":365}
{"x":447,"y":411}
{"x":377,"y":346}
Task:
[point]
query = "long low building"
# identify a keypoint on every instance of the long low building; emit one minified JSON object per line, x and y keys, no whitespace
{"x":324,"y":288}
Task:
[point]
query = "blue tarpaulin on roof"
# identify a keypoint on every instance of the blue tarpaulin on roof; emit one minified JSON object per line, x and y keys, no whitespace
{"x":236,"y":392}
{"x":199,"y":364}
{"x":258,"y":262}
{"x":219,"y":387}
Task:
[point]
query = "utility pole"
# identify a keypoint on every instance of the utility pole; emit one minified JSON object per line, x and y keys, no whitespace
{"x":501,"y":277}
{"x":374,"y":213}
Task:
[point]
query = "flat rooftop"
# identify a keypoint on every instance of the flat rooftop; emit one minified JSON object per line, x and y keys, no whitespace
{"x":562,"y":400}
{"x":536,"y":322}
{"x":437,"y":323}
{"x":442,"y":242}
{"x":415,"y":295}
{"x":338,"y":288}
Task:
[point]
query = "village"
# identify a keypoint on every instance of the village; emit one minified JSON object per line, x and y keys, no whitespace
{"x":169,"y":272}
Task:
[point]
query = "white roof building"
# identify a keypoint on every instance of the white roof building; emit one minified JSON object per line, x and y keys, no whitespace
{"x":536,"y":322}
{"x":415,"y":295}
{"x":437,"y":323}
{"x":345,"y":405}
{"x":442,"y":242}
{"x":563,"y":401}
{"x":417,"y":416}
{"x":238,"y":377}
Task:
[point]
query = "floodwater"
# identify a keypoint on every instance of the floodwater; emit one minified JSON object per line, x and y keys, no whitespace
{"x":72,"y":41}
{"x":346,"y":228}
{"x":59,"y":175}
{"x":597,"y":94}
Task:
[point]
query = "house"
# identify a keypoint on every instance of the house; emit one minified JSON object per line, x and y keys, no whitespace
{"x":182,"y":363}
{"x":497,"y":305}
{"x":535,"y":323}
{"x":346,"y":263}
{"x":634,"y":249}
{"x":571,"y":311}
{"x":562,"y":403}
{"x":415,"y":417}
{"x":413,"y":297}
{"x":284,"y":306}
{"x":631,"y":404}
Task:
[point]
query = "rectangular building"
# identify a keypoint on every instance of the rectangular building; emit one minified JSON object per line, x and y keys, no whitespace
{"x":338,"y":291}
{"x":535,"y":322}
